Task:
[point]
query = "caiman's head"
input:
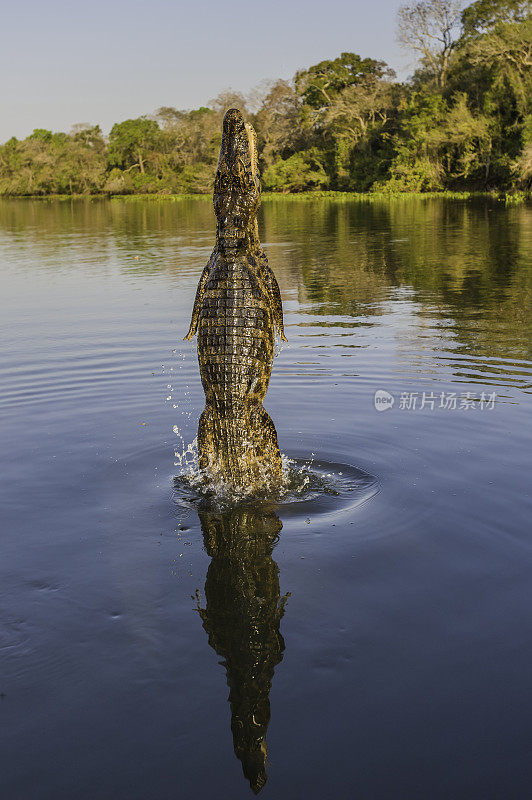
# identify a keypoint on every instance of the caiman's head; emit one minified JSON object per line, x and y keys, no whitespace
{"x":237,"y":186}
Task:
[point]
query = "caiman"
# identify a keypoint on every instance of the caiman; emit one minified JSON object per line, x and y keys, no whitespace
{"x":236,"y":311}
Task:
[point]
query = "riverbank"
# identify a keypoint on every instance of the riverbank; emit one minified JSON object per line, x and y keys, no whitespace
{"x":506,"y":197}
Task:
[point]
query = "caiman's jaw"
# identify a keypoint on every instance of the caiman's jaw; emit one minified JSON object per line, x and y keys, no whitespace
{"x":236,"y":187}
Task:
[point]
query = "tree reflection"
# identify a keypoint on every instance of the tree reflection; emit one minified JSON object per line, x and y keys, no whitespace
{"x":242,"y":617}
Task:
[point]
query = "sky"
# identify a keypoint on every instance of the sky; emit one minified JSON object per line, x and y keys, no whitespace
{"x":102,"y":62}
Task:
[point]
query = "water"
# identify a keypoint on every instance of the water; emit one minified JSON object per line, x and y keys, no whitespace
{"x":383,"y":624}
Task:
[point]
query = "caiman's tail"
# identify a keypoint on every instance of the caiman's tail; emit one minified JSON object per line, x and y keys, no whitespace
{"x":241,"y":451}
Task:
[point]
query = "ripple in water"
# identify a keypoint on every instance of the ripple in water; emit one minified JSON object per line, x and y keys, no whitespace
{"x":309,"y":486}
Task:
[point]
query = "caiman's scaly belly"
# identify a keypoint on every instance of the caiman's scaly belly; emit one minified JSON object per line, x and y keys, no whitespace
{"x":236,"y":311}
{"x":235,"y":340}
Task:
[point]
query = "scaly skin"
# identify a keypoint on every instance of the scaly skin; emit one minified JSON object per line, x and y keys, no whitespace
{"x":236,"y":310}
{"x":242,"y":618}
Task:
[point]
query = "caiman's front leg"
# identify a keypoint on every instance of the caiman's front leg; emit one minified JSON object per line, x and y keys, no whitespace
{"x":272,"y":287}
{"x":199,"y":297}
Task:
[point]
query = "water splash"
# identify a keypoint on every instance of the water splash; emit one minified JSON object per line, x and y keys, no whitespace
{"x":302,"y":480}
{"x":314,"y":483}
{"x":186,"y":455}
{"x":278,"y":346}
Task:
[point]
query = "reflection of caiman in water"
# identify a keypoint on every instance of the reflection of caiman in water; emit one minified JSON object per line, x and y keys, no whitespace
{"x":242,"y":617}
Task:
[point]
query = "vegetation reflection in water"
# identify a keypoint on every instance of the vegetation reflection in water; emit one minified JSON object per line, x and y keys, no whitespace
{"x":441,"y":288}
{"x":464,"y":263}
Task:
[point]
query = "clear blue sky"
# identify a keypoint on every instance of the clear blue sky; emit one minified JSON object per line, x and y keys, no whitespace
{"x":66,"y":61}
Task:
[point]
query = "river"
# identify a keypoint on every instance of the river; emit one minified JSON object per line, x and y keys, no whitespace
{"x":373,"y":637}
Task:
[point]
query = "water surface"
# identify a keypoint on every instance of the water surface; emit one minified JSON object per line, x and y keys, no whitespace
{"x":378,"y":640}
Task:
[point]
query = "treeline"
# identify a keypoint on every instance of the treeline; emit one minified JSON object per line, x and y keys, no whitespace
{"x":462,"y":121}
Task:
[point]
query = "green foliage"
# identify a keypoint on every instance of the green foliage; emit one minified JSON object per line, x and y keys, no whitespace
{"x":53,"y":163}
{"x":322,"y":83}
{"x":132,"y":142}
{"x":277,"y":123}
{"x":484,"y":15}
{"x":440,"y":145}
{"x":298,"y":173}
{"x":523,"y":165}
{"x":463,"y":122}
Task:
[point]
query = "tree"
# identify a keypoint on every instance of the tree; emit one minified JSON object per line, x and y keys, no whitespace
{"x":84,"y":159}
{"x":131,"y":141}
{"x":430,"y":28}
{"x":524,"y":166}
{"x":277,"y":123}
{"x":169,"y":117}
{"x":492,"y":64}
{"x":505,"y":44}
{"x":356,"y":122}
{"x":54,"y":163}
{"x":319,"y":85}
{"x":343,"y":102}
{"x":484,"y":15}
{"x":301,"y":172}
{"x":358,"y":107}
{"x":228,"y":98}
{"x":440,"y":145}
{"x":463,"y":121}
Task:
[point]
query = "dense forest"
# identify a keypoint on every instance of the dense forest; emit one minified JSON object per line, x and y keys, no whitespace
{"x":463,"y":121}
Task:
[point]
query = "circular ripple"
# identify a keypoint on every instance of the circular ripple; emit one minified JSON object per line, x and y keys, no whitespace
{"x":316,"y":488}
{"x":331,"y":487}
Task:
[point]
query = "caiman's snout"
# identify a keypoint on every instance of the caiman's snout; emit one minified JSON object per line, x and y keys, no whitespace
{"x":234,"y":129}
{"x":233,"y":122}
{"x":236,"y":187}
